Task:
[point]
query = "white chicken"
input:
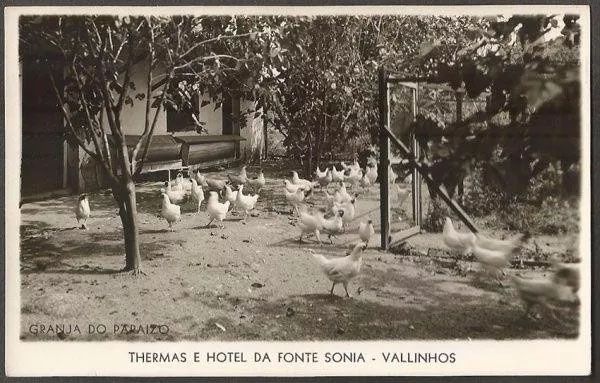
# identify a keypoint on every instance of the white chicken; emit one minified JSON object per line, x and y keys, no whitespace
{"x":333,"y":225}
{"x":506,"y":245}
{"x":310,"y":223}
{"x":341,"y":270}
{"x":493,"y":254}
{"x":82,"y":210}
{"x":231,"y":196}
{"x":200,"y":178}
{"x":295,"y":198}
{"x":175,"y":196}
{"x":215,"y":184}
{"x":258,"y":183}
{"x":306,"y":184}
{"x":566,"y":274}
{"x":169,"y":211}
{"x":291,"y":188}
{"x":342,"y":195}
{"x":197,"y":193}
{"x":461,"y":242}
{"x":349,"y":209}
{"x":330,"y":198}
{"x":325,"y":179}
{"x":355,"y":167}
{"x":240,"y":179}
{"x":354,"y":176}
{"x":542,"y":291}
{"x":365,"y":231}
{"x":178,"y":183}
{"x":187,"y":183}
{"x":337,"y":176}
{"x":216,"y":210}
{"x":492,"y":261}
{"x":320,"y":174}
{"x":371,"y":173}
{"x":365,"y":182}
{"x":245,"y":202}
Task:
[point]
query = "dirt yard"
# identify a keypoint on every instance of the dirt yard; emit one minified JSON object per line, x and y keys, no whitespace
{"x":253,"y":280}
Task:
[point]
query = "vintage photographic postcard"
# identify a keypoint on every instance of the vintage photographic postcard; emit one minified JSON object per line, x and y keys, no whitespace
{"x":297,"y":191}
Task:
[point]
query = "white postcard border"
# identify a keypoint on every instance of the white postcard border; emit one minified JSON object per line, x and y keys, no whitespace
{"x":530,"y":357}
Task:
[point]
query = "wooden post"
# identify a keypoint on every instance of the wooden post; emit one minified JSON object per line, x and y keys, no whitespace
{"x":384,"y":159}
{"x":416,"y":176}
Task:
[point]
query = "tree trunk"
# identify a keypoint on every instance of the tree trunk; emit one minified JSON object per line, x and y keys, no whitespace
{"x":309,"y":163}
{"x":318,"y":145}
{"x":128,"y":214}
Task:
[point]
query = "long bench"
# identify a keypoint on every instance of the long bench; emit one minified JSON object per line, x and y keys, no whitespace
{"x":202,"y":152}
{"x":167,"y":152}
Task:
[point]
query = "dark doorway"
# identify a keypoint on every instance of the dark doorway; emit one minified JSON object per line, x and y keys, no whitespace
{"x":43,"y":148}
{"x":231,"y":119}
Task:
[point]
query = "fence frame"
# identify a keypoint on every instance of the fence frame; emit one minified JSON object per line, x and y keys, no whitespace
{"x":419,"y":170}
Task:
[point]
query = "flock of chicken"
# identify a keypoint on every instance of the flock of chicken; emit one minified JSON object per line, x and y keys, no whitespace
{"x":494,"y":255}
{"x":339,"y":211}
{"x":193,"y":188}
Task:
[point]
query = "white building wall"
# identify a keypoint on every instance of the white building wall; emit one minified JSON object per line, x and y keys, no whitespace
{"x":213,"y":118}
{"x":133,"y":117}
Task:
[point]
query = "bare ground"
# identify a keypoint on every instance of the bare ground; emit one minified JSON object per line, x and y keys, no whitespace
{"x":253,"y":281}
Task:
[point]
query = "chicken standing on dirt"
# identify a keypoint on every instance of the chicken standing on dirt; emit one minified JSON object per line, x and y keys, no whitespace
{"x":258,"y":183}
{"x":245,"y":202}
{"x":291,"y":188}
{"x":566,"y":274}
{"x":349,"y":209}
{"x":176,"y":196}
{"x":365,"y":231}
{"x":544,"y":292}
{"x":341,"y":270}
{"x":323,"y":178}
{"x":334,"y":225}
{"x":306,"y":184}
{"x":197,"y":193}
{"x":493,"y":254}
{"x":371,"y":173}
{"x":231,"y":196}
{"x":461,"y":242}
{"x":337,"y":176}
{"x":295,"y":198}
{"x":215,"y":184}
{"x":240,"y":179}
{"x":170,"y":212}
{"x":354,"y":176}
{"x":505,"y":245}
{"x":82,"y":210}
{"x":215,"y":209}
{"x":310,"y":223}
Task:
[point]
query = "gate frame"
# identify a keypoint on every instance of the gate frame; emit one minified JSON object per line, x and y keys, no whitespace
{"x":419,"y":171}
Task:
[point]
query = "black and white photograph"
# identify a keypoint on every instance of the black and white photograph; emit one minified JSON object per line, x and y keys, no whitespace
{"x":230,"y":176}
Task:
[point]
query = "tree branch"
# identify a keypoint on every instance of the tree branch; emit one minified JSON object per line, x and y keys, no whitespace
{"x":206,"y":58}
{"x":218,"y":38}
{"x":148,"y":129}
{"x":101,"y":158}
{"x":146,"y":137}
{"x":125,"y":86}
{"x":67,"y":116}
